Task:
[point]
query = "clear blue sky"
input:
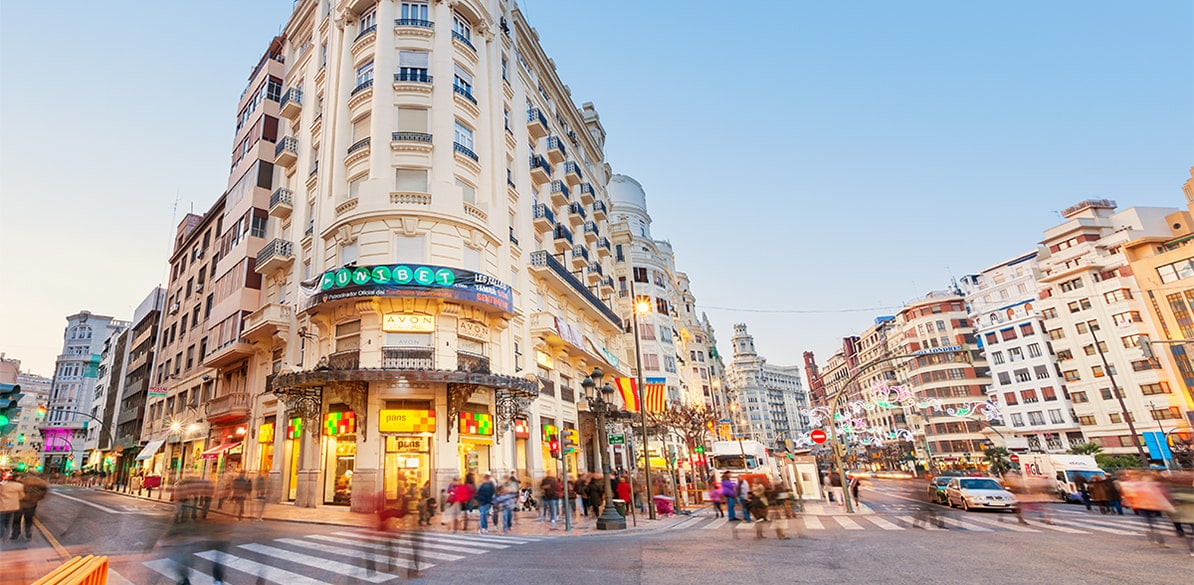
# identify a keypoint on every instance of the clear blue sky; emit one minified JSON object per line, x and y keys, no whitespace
{"x":799,"y":155}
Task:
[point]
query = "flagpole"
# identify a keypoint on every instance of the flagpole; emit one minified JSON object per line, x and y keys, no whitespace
{"x":642,"y":410}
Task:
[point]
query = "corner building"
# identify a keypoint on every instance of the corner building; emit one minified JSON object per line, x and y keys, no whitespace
{"x":436,"y":285}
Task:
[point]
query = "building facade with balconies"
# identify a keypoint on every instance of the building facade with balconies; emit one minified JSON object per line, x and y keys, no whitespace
{"x":136,"y":379}
{"x":431,"y":302}
{"x":99,"y":441}
{"x":76,"y":374}
{"x":1095,"y":312}
{"x":1026,"y":383}
{"x":766,"y":398}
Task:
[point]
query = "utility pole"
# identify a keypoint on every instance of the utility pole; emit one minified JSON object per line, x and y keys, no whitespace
{"x":1118,"y":395}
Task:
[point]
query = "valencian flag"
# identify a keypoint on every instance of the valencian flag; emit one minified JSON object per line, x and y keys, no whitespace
{"x":656,"y":391}
{"x":629,"y":390}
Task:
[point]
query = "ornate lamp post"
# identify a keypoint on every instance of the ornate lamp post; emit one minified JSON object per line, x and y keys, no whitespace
{"x":595,"y":394}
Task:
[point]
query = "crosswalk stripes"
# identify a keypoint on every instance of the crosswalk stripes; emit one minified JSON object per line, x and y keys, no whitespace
{"x":847,"y":522}
{"x":928,"y":524}
{"x":1098,"y":527}
{"x":964,"y":525}
{"x":1012,"y":525}
{"x":346,"y":556}
{"x":884,"y":524}
{"x":1056,"y":527}
{"x":715,"y":524}
{"x":813,"y":523}
{"x":975,"y":522}
{"x":689,"y":522}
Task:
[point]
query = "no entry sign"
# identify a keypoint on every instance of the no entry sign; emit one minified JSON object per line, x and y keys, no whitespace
{"x":1014,"y":458}
{"x":818,"y":436}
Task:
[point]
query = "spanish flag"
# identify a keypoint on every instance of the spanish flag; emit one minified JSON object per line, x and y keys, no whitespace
{"x":629,"y":390}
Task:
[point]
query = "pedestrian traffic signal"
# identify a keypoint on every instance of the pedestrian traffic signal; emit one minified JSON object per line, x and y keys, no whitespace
{"x":41,"y":411}
{"x":554,"y":446}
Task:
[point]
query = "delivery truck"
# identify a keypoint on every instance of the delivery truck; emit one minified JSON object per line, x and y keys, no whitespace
{"x":1067,"y":472}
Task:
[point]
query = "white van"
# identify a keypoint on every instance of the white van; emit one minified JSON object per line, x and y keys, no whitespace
{"x":1066,"y":471}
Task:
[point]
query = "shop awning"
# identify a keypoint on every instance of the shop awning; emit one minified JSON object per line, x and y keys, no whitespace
{"x":150,"y":449}
{"x":215,"y":452}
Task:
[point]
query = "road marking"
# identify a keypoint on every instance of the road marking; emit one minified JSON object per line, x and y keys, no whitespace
{"x":375,"y":577}
{"x":171,"y":570}
{"x":1057,"y":527}
{"x":318,"y":563}
{"x":929,"y":524}
{"x":813,"y":523}
{"x":397,"y":548}
{"x":115,"y":578}
{"x":687,"y":523}
{"x":884,"y":524}
{"x":847,"y":522}
{"x":512,"y":539}
{"x":453,"y":546}
{"x":262,"y":570}
{"x":58,"y":548}
{"x":105,"y":508}
{"x":966,"y":525}
{"x":460,"y":540}
{"x":715,"y":524}
{"x":1014,"y":526}
{"x":1097,"y":527}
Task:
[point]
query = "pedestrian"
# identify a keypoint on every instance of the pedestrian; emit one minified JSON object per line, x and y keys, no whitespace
{"x":549,"y":491}
{"x":715,"y":498}
{"x":625,"y":490}
{"x":1147,"y":497}
{"x":36,"y":489}
{"x":729,"y":491}
{"x":486,"y":492}
{"x":581,"y":490}
{"x":595,"y":489}
{"x":241,"y":488}
{"x":11,"y":494}
{"x":467,"y":492}
{"x":743,"y":493}
{"x":855,"y":484}
{"x":1083,"y":486}
{"x":757,"y":504}
{"x":835,"y":488}
{"x":260,"y":489}
{"x":453,"y":506}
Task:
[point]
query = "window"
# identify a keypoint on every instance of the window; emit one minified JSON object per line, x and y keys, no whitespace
{"x":661,"y":306}
{"x":1131,"y":341}
{"x":1081,"y":328}
{"x":1064,"y":355}
{"x":1004,"y":378}
{"x":646,"y":331}
{"x":1152,"y":389}
{"x":1177,"y":271}
{"x":1029,"y":396}
{"x":1116,"y":418}
{"x":1071,"y":375}
{"x":354,"y":186}
{"x":1078,"y":397}
{"x":1056,"y":334}
{"x":410,"y":181}
{"x":1098,"y":371}
{"x":505,"y":68}
{"x":1088,"y":349}
{"x":367,"y":21}
{"x":1036,"y":418}
{"x":651,"y":362}
{"x":348,"y":336}
{"x":1073,"y":305}
{"x":413,"y":65}
{"x":640,"y":275}
{"x":1056,"y":417}
{"x":1041,"y":372}
{"x":408,"y":248}
{"x":1034,"y":350}
{"x":1049,"y":394}
{"x":1115,"y":296}
{"x":1086,"y":420}
{"x":1126,"y":317}
{"x":365,"y":74}
{"x":1070,"y":285}
{"x":1008,"y":334}
{"x":1049,"y":313}
{"x":991,"y":339}
{"x":669,"y":363}
{"x":1107,"y":395}
{"x":1149,"y":364}
{"x":414,"y":11}
{"x":1023,"y":376}
{"x":1171,"y":413}
{"x":1015,"y":354}
{"x":463,"y":30}
{"x":348,"y":253}
{"x":1026,"y":329}
{"x":257,"y":229}
{"x":1010,"y":398}
{"x":467,"y":192}
{"x":1017,"y":419}
{"x":464,"y":135}
{"x":462,"y":81}
{"x":997,"y":358}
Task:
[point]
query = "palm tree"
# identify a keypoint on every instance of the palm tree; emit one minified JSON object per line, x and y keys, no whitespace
{"x":998,"y":459}
{"x":1086,"y":449}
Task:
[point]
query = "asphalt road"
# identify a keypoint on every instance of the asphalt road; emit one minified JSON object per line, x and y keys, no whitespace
{"x":1083,"y":548}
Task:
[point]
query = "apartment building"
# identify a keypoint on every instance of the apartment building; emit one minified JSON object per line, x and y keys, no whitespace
{"x":947,"y":375}
{"x":22,"y":442}
{"x":768,"y":397}
{"x":1036,"y":413}
{"x":99,"y":440}
{"x":76,"y":373}
{"x":431,"y":302}
{"x":1094,"y":311}
{"x":134,"y":386}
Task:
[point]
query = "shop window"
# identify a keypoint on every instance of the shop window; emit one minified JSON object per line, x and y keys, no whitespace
{"x":339,"y":427}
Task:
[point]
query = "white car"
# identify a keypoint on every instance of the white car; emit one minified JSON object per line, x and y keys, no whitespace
{"x":979,"y":493}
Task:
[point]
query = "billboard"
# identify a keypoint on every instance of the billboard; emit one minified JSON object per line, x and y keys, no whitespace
{"x":412,"y":281}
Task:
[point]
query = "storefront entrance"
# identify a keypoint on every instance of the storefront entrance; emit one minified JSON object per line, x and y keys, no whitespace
{"x":407,"y":465}
{"x":340,"y":455}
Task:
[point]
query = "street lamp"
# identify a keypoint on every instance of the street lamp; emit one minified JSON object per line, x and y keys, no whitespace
{"x":596,"y":394}
{"x":644,"y":307}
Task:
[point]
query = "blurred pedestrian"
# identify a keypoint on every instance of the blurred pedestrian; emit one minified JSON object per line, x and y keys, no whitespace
{"x":1036,"y":492}
{"x":743,"y":493}
{"x":241,"y":489}
{"x":549,"y":490}
{"x":261,"y":491}
{"x":486,"y":491}
{"x":580,"y":490}
{"x":1181,"y":496}
{"x":729,"y":491}
{"x":1147,"y":496}
{"x":596,"y":494}
{"x":625,"y":490}
{"x":855,"y":484}
{"x":757,"y":504}
{"x":36,"y":490}
{"x":11,"y":494}
{"x":506,"y":501}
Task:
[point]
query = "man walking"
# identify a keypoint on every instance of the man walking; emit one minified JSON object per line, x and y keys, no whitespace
{"x":729,"y":491}
{"x":11,"y":494}
{"x":549,"y":488}
{"x":241,"y":488}
{"x":484,"y":497}
{"x":36,"y":489}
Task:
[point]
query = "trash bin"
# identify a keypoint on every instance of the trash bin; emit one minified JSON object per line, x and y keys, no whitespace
{"x":620,"y":506}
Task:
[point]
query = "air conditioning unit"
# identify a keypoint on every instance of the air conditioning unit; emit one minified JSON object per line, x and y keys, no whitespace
{"x":174,"y":308}
{"x":199,"y":254}
{"x":199,"y":287}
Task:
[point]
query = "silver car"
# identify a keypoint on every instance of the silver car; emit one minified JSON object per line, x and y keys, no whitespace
{"x":979,"y":493}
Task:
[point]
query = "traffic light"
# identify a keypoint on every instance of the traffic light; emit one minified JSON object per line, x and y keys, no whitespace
{"x":554,"y":445}
{"x":21,"y":467}
{"x":41,"y":411}
{"x":10,"y":406}
{"x":571,"y":441}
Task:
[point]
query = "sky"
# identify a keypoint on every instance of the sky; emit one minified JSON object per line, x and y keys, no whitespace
{"x":814,"y":164}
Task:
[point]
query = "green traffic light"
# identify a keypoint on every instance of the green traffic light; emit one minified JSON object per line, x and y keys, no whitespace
{"x":21,"y":467}
{"x":3,"y":420}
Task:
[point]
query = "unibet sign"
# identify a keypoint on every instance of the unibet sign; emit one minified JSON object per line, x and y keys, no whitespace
{"x":413,"y":281}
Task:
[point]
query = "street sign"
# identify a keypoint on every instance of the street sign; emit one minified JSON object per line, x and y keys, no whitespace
{"x":818,"y":436}
{"x":617,"y":439}
{"x":1014,"y":458}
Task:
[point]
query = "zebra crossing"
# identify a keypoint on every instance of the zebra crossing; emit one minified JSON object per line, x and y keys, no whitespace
{"x":1061,"y":522}
{"x":342,"y":556}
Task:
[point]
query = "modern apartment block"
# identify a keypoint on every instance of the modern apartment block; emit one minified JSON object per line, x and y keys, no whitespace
{"x":1094,"y":314}
{"x":1025,"y":381}
{"x":949,"y":373}
{"x":100,"y":437}
{"x":768,"y":397}
{"x":137,"y":376}
{"x":437,"y":280}
{"x":1163,"y":267}
{"x":76,"y":373}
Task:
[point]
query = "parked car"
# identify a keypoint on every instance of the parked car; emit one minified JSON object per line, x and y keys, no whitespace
{"x":979,"y":493}
{"x":937,"y":489}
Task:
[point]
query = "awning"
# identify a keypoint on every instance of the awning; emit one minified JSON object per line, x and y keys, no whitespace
{"x":215,"y":452}
{"x":150,"y":449}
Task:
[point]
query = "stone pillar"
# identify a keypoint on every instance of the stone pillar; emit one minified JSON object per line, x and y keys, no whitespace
{"x":309,"y":493}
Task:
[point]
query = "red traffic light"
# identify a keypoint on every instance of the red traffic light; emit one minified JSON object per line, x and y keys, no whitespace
{"x":554,"y":446}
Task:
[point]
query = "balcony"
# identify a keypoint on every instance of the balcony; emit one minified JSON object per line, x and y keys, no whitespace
{"x":358,"y":151}
{"x":230,"y":352}
{"x":275,"y":255}
{"x":345,"y":360}
{"x":414,"y":27}
{"x":229,"y":407}
{"x":607,"y":286}
{"x":413,"y":80}
{"x":563,"y":238}
{"x":281,"y":203}
{"x":591,"y":234}
{"x":415,"y":22}
{"x":576,"y":214}
{"x":267,"y":321}
{"x":572,"y":174}
{"x":536,"y":124}
{"x":472,"y":363}
{"x":603,"y":247}
{"x":598,"y":206}
{"x":560,"y":195}
{"x":465,"y":93}
{"x":544,"y":218}
{"x":365,"y":39}
{"x":555,"y":150}
{"x":580,"y":257}
{"x":594,"y":274}
{"x":463,"y":40}
{"x":410,"y":141}
{"x":540,"y":170}
{"x":286,"y":153}
{"x":544,"y":263}
{"x":567,"y":394}
{"x":408,"y":358}
{"x":587,"y":196}
{"x":292,"y":103}
{"x":466,"y":156}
